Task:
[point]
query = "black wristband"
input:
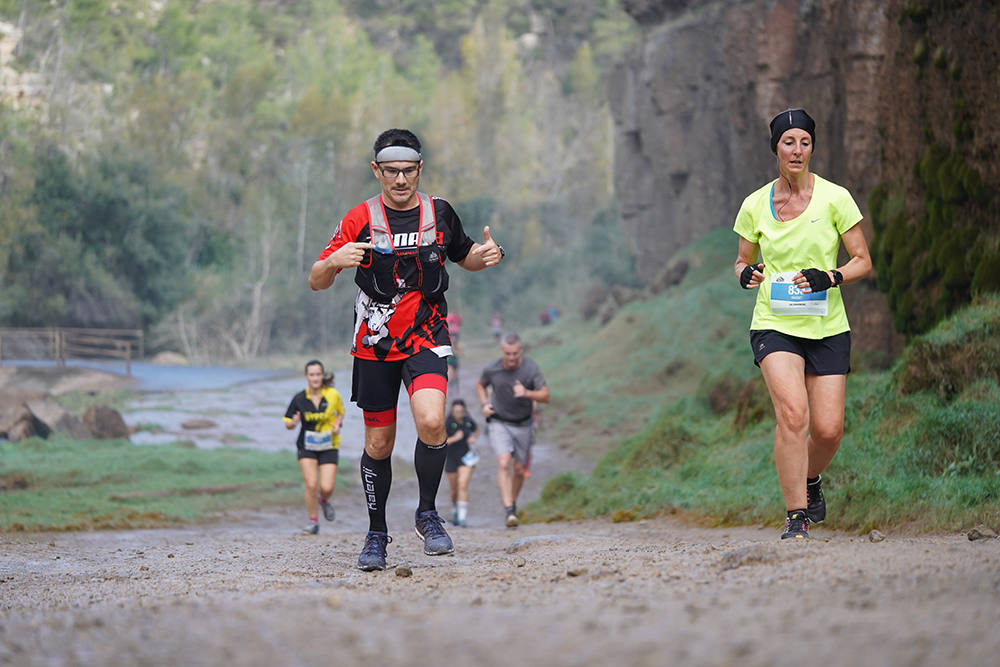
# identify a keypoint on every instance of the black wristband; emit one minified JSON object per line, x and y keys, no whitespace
{"x":745,"y":275}
{"x":819,"y":281}
{"x":838,"y":277}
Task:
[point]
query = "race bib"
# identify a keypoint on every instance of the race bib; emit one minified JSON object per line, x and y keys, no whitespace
{"x":787,"y":299}
{"x":470,"y":459}
{"x":319,"y":441}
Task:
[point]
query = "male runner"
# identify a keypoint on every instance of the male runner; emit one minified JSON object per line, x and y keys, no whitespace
{"x":517,"y":383}
{"x":398,"y":241}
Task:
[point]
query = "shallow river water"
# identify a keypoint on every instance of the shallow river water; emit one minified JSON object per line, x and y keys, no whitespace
{"x":245,"y":405}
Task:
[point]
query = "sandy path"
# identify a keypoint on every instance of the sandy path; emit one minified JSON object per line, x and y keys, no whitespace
{"x":648,"y":593}
{"x":250,"y":590}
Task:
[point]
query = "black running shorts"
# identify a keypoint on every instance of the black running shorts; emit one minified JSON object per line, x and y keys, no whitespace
{"x":322,"y":458}
{"x":824,"y":356}
{"x":375,"y":384}
{"x":454,"y":456}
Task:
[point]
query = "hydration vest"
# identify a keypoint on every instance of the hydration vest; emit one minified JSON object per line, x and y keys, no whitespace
{"x":378,"y":275}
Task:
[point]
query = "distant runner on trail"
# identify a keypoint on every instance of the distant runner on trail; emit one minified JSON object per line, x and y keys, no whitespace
{"x":462,"y":460}
{"x":496,"y":325}
{"x":508,"y":389}
{"x":319,"y":411}
{"x":454,"y":330}
{"x":398,"y":241}
{"x":799,"y":334}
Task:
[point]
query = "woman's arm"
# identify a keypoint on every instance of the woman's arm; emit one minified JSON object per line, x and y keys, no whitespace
{"x":860,"y":264}
{"x":857,"y":268}
{"x":746,"y":255}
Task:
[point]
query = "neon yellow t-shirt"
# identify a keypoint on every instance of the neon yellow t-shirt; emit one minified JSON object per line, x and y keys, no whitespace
{"x":331,"y":411}
{"x":810,"y":240}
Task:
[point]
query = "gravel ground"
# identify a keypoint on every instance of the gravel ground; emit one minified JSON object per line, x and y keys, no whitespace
{"x":251,"y":590}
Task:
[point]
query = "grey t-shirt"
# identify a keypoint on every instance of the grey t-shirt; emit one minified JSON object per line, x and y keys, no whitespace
{"x":508,"y":407}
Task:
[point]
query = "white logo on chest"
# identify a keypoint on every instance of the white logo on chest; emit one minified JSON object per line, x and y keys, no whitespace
{"x":405,"y":240}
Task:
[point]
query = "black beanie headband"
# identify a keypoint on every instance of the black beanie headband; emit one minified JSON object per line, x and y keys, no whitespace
{"x":788,"y":119}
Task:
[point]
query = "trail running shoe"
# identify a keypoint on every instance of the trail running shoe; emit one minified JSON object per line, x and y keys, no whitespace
{"x":816,"y":509}
{"x":328,"y":512}
{"x":429,"y":527}
{"x":796,"y":526}
{"x":512,"y":520}
{"x":311,"y":529}
{"x":373,"y":553}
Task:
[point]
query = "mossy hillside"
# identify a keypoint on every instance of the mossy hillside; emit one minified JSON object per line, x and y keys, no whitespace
{"x":914,"y":455}
{"x":933,"y":258}
{"x":936,"y":215}
{"x":607,"y":381}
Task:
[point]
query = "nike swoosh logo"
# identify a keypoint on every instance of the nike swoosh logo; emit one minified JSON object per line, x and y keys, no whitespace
{"x":814,"y":220}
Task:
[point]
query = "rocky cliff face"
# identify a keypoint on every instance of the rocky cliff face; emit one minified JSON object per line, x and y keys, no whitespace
{"x":692,"y":103}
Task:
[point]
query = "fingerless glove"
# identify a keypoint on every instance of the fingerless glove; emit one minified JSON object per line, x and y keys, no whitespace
{"x":819,"y":281}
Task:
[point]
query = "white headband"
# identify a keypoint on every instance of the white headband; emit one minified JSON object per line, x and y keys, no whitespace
{"x":397,"y":154}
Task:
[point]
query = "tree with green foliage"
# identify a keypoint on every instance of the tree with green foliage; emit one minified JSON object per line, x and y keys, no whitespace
{"x":191,"y":158}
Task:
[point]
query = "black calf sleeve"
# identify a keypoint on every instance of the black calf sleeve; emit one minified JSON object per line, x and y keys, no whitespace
{"x":429,"y":463}
{"x":376,"y":478}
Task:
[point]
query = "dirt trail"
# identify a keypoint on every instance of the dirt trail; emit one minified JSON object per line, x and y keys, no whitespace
{"x":250,"y":590}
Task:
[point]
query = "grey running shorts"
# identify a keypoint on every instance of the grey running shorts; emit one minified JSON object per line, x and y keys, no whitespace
{"x":511,"y":439}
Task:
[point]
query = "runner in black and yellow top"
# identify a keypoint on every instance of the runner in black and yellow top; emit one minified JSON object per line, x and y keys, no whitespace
{"x":319,"y":410}
{"x":799,"y":334}
{"x":398,"y":242}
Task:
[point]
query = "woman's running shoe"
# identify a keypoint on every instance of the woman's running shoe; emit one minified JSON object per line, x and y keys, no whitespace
{"x":796,"y":526}
{"x":328,"y":512}
{"x":312,"y":528}
{"x":816,"y":509}
{"x":429,"y":527}
{"x":512,"y":519}
{"x":373,"y":553}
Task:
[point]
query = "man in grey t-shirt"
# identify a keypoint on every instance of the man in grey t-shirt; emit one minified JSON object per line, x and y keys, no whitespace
{"x":508,"y":390}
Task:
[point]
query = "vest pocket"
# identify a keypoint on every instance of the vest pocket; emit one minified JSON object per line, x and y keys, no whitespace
{"x":434,"y":277}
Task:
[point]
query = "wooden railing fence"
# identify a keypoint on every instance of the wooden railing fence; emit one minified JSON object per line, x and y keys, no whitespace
{"x":62,"y":343}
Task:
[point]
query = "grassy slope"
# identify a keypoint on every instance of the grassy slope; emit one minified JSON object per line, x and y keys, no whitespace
{"x":926,"y":459}
{"x":60,"y":484}
{"x":608,"y":381}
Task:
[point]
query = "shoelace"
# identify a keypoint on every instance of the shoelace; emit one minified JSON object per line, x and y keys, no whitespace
{"x":814,"y":495}
{"x":376,"y":544}
{"x":798,"y":524}
{"x":432,"y":524}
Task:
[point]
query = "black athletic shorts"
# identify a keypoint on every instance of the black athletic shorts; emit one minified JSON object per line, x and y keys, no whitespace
{"x":375,"y":384}
{"x":323,"y":458}
{"x":824,"y":356}
{"x":454,"y":455}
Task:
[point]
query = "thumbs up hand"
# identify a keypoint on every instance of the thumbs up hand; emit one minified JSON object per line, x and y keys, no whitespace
{"x":489,"y":251}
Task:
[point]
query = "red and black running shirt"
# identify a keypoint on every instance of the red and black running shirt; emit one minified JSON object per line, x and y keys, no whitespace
{"x":409,"y":324}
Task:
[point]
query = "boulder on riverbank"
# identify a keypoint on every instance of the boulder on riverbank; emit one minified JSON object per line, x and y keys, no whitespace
{"x":28,"y":409}
{"x":18,"y":423}
{"x":58,"y":419}
{"x":170,"y":359}
{"x":27,"y":413}
{"x":59,"y":380}
{"x":105,"y":423}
